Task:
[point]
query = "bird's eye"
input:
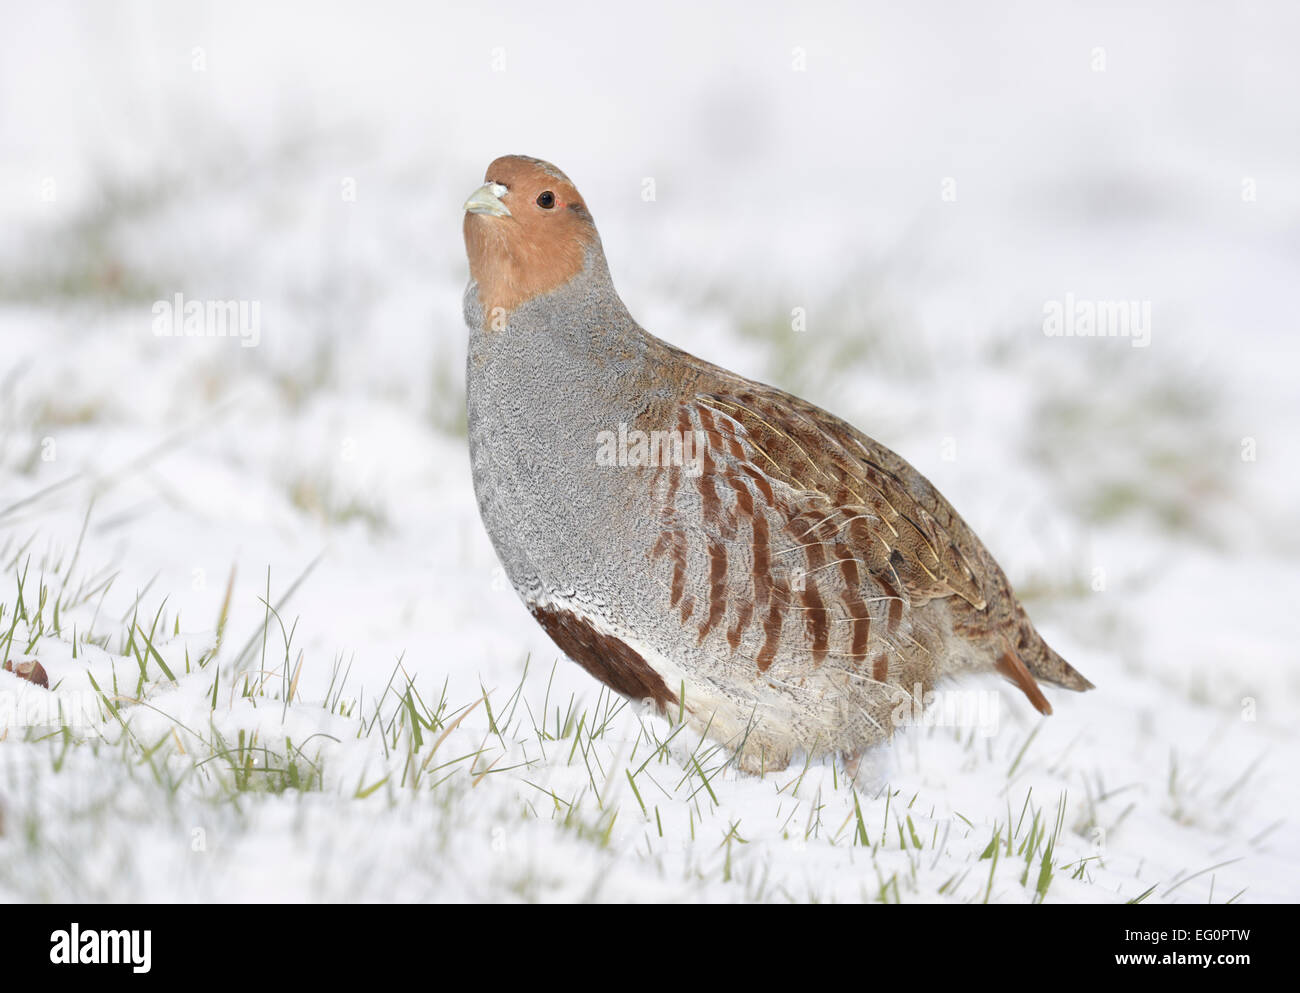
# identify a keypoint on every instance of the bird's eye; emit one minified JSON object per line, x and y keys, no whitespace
{"x":546,"y":200}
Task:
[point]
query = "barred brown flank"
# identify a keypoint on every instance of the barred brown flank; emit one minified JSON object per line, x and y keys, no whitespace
{"x":744,"y":499}
{"x":683,"y":422}
{"x":762,"y":563}
{"x":856,"y":607}
{"x":711,"y":506}
{"x":859,"y":533}
{"x":895,"y":604}
{"x":717,"y":586}
{"x":849,"y":570}
{"x":764,"y":487}
{"x":880,"y":668}
{"x":679,"y":565}
{"x":734,"y":448}
{"x":674,"y":478}
{"x":744,"y":611}
{"x":771,"y":636}
{"x":816,"y":620}
{"x":710,"y":428}
{"x":661,"y":544}
{"x":706,"y":419}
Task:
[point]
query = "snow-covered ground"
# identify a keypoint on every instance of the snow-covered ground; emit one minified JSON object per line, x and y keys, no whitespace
{"x":924,"y":182}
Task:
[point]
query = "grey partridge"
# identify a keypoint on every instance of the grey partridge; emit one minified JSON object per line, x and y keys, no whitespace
{"x":719,"y":547}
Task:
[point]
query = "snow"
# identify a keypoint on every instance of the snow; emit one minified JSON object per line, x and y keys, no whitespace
{"x":1115,"y":484}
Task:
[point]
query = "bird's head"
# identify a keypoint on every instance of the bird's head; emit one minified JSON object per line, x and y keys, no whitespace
{"x":527,"y":232}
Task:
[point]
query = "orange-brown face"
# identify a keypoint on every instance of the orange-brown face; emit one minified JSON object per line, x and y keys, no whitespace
{"x":526,"y":233}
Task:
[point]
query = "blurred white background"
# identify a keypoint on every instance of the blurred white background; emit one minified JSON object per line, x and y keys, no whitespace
{"x":921,"y":179}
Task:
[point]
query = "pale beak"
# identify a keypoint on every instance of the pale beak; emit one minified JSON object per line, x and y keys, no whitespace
{"x":487,"y":200}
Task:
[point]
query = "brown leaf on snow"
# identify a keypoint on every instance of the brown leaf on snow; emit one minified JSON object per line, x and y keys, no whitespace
{"x":32,"y":671}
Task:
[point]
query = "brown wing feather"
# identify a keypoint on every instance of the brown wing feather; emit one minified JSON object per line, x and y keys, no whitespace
{"x":817,"y":453}
{"x":877,"y":539}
